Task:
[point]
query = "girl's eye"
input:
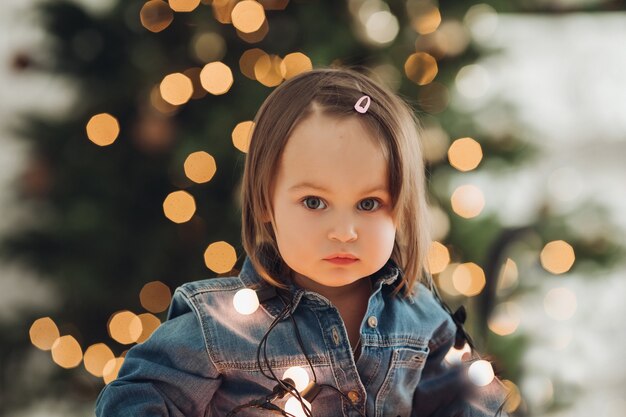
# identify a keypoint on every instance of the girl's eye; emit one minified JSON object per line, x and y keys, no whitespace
{"x":312,"y":203}
{"x":369,"y":204}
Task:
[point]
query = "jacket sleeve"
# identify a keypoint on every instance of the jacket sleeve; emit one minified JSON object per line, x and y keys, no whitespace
{"x":170,"y":374}
{"x":445,"y":391}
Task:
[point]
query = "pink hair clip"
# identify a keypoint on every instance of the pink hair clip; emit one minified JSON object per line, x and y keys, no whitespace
{"x":362,"y":104}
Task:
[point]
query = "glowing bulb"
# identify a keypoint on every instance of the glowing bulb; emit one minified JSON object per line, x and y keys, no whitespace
{"x":245,"y":301}
{"x":455,"y":355}
{"x":481,"y":373}
{"x":299,"y":376}
{"x":294,"y":407}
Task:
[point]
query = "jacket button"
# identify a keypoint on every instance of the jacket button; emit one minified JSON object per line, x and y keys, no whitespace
{"x":354,"y":396}
{"x":372,"y":321}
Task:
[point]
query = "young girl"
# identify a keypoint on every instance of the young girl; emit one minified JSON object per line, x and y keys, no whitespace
{"x":335,"y":232}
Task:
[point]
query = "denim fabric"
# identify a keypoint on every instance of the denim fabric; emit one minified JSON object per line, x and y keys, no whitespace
{"x":202,"y":360}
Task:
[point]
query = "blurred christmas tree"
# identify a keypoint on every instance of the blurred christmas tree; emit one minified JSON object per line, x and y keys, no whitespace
{"x":139,"y":182}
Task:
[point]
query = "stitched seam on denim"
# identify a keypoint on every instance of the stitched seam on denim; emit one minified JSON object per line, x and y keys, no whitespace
{"x":317,"y":361}
{"x":395,"y":341}
{"x":385,"y":386}
{"x":375,"y":372}
{"x":206,"y":333}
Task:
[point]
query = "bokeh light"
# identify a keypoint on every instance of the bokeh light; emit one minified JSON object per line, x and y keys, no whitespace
{"x":294,"y":64}
{"x":149,"y":323}
{"x":248,"y":60}
{"x":155,"y":296}
{"x":467,"y":201}
{"x":162,"y":106}
{"x":176,"y":88}
{"x":444,"y":280}
{"x":194,"y":75}
{"x":96,"y":358}
{"x":43,"y":333}
{"x":557,"y":257}
{"x":481,"y":373}
{"x":455,"y":356}
{"x":426,"y":20}
{"x":125,"y":327}
{"x":468,"y":279}
{"x":220,"y":257}
{"x":514,"y":397}
{"x":267,"y":70}
{"x":438,"y":258}
{"x":382,"y":27}
{"x":248,"y":16}
{"x":222,"y":10}
{"x":421,"y":68}
{"x":200,"y":167}
{"x":256,"y":36}
{"x":505,"y":318}
{"x":242,"y":133}
{"x":216,"y":78}
{"x":179,"y":206}
{"x":208,"y":46}
{"x":465,"y":154}
{"x":184,"y":5}
{"x":156,"y":15}
{"x":103,"y":129}
{"x":111,"y":369}
{"x":66,"y":352}
{"x":560,"y":304}
{"x":472,"y":81}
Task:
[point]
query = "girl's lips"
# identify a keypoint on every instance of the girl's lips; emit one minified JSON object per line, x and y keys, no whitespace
{"x":341,"y":261}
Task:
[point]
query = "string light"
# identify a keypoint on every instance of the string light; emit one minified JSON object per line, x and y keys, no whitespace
{"x":220,"y":257}
{"x":296,"y":406}
{"x":184,"y":5}
{"x":200,"y":167}
{"x":299,"y":376}
{"x":421,"y":68}
{"x":156,"y":15}
{"x":125,"y":327}
{"x":179,"y":206}
{"x":96,"y":358}
{"x":216,"y":78}
{"x":155,"y":296}
{"x":467,"y":201}
{"x":557,"y":257}
{"x":43,"y":333}
{"x":66,"y":352}
{"x":102,"y":129}
{"x":241,"y":135}
{"x":456,"y":356}
{"x":481,"y":373}
{"x":248,"y":16}
{"x":246,"y":302}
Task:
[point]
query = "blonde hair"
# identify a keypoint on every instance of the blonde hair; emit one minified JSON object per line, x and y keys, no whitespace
{"x":334,"y":92}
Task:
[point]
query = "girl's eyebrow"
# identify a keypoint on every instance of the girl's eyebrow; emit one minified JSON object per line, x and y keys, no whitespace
{"x":310,"y":185}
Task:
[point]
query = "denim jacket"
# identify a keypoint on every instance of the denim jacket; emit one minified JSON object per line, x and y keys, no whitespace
{"x":202,"y":361}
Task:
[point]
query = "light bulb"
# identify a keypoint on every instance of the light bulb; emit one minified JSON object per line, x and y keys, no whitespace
{"x":455,"y":356}
{"x":481,"y":373}
{"x":299,"y":376}
{"x":294,"y":406}
{"x":246,"y":301}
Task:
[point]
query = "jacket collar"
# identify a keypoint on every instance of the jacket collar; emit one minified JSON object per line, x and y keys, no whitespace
{"x":388,"y":275}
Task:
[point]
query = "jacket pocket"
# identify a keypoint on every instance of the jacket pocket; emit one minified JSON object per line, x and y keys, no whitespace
{"x":396,"y":392}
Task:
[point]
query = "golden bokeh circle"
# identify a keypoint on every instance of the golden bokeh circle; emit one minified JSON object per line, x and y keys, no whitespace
{"x":111,"y":369}
{"x":176,"y":88}
{"x":125,"y":327}
{"x":421,"y":68}
{"x":66,"y":352}
{"x":43,"y":333}
{"x":248,"y":60}
{"x":220,"y":257}
{"x":557,"y":257}
{"x":469,"y":279}
{"x":96,"y":357}
{"x":467,"y":201}
{"x":149,"y":323}
{"x":438,"y":258}
{"x":294,"y":64}
{"x":156,"y":15}
{"x":184,"y":5}
{"x":179,"y":206}
{"x":465,"y":154}
{"x":200,"y":167}
{"x":267,"y":70}
{"x":155,"y":297}
{"x":248,"y":16}
{"x":103,"y":129}
{"x":216,"y":78}
{"x":242,"y":133}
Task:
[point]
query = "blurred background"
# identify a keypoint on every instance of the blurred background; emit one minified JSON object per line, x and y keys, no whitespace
{"x":124,"y":127}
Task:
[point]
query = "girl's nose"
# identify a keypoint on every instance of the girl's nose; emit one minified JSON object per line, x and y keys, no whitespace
{"x":343,"y":230}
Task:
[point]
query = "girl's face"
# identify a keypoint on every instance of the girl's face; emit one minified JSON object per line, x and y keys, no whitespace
{"x":331,"y":199}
